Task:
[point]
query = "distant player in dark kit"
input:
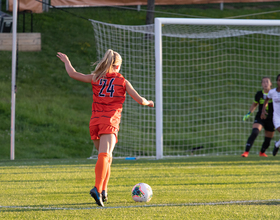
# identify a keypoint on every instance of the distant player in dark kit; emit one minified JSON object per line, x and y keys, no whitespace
{"x":259,"y":123}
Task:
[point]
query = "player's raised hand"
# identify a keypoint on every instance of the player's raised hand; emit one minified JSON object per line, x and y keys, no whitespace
{"x":63,"y":57}
{"x":245,"y":117}
{"x":151,"y":103}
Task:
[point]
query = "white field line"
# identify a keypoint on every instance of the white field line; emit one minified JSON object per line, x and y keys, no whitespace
{"x":140,"y":206}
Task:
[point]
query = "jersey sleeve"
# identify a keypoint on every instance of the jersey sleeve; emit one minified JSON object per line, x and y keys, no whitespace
{"x":269,"y":95}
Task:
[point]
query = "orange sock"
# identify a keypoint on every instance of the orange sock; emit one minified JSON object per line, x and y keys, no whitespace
{"x":106,"y":180}
{"x":101,"y":168}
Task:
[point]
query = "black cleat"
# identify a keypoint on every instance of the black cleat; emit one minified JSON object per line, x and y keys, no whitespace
{"x":104,"y":196}
{"x":275,"y":149}
{"x":97,"y":196}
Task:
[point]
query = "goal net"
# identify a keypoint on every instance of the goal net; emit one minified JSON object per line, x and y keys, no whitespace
{"x":203,"y":75}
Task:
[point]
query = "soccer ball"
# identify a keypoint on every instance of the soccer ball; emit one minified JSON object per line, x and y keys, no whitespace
{"x":142,"y":192}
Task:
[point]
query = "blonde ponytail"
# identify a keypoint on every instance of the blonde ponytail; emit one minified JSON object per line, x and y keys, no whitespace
{"x":106,"y":64}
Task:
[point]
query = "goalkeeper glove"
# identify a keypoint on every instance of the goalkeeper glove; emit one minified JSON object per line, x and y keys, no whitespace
{"x":245,"y":117}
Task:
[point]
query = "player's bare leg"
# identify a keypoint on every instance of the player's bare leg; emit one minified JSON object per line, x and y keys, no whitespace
{"x":107,"y":143}
{"x":96,"y":144}
{"x":106,"y":146}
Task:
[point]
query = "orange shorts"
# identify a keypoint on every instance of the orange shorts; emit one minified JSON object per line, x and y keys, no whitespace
{"x":96,"y":130}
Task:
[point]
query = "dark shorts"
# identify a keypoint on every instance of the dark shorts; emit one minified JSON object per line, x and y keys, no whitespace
{"x":266,"y":123}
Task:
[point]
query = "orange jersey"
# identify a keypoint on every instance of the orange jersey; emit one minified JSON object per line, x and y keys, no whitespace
{"x":108,"y":97}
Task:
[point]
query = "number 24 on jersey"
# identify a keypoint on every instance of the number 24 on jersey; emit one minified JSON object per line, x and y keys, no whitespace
{"x":110,"y":87}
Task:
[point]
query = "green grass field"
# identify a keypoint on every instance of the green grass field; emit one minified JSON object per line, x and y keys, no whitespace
{"x":225,"y":187}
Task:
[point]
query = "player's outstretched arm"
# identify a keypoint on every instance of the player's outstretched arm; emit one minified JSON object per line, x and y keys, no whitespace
{"x":252,"y":109}
{"x":134,"y":94}
{"x":264,"y":113}
{"x":71,"y":71}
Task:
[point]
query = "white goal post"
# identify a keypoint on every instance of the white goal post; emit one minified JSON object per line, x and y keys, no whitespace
{"x":159,"y":23}
{"x":203,"y":75}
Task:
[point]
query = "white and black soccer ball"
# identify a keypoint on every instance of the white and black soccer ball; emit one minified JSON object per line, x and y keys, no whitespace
{"x":142,"y":192}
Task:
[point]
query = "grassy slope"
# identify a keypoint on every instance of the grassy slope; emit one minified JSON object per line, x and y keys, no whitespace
{"x":52,"y":110}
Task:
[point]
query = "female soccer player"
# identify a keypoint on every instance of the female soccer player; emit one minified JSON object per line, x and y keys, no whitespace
{"x":274,"y":94}
{"x":109,"y":91}
{"x":260,"y":123}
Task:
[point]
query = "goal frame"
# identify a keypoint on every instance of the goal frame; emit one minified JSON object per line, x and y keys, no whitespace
{"x":158,"y":59}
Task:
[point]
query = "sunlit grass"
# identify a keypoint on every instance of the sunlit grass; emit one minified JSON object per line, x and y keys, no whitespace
{"x":188,"y":188}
